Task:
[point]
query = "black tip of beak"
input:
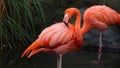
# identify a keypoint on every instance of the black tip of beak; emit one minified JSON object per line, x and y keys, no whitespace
{"x":66,"y":23}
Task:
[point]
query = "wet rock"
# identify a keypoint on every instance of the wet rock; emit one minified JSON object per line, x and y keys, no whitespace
{"x":110,"y":38}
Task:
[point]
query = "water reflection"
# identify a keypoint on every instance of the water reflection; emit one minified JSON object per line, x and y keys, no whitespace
{"x":85,"y":59}
{"x":79,"y":59}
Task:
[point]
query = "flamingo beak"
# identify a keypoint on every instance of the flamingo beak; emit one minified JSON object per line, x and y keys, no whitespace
{"x":65,"y":20}
{"x":66,"y":23}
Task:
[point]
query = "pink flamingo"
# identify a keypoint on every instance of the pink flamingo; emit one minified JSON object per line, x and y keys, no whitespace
{"x":99,"y":17}
{"x":59,"y":38}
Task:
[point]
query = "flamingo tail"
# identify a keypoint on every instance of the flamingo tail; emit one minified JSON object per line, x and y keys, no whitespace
{"x":32,"y":49}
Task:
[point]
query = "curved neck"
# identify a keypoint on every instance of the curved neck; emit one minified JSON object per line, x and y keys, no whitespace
{"x":78,"y":25}
{"x":78,"y":22}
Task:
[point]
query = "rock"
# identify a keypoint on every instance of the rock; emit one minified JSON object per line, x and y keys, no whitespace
{"x":110,"y":38}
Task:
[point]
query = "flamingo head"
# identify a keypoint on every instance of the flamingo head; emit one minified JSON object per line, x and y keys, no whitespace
{"x":68,"y":15}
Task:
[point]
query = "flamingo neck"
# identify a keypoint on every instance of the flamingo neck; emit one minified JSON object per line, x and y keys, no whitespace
{"x":85,"y":28}
{"x":77,"y":26}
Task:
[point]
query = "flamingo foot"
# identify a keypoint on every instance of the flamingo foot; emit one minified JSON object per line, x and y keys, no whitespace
{"x":99,"y":54}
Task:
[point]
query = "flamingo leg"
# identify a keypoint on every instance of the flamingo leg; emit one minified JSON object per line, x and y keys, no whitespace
{"x":100,"y":47}
{"x":59,"y":61}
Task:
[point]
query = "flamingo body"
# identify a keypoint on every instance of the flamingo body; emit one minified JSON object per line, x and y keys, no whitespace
{"x":57,"y":38}
{"x":99,"y":17}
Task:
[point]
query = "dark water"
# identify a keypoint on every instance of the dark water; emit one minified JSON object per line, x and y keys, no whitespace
{"x":79,"y":59}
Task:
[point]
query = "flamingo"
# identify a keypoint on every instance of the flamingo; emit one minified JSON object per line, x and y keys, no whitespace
{"x":58,"y":38}
{"x":99,"y":17}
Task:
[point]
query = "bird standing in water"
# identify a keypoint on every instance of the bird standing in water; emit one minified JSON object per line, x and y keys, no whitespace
{"x":59,"y":38}
{"x":99,"y":17}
